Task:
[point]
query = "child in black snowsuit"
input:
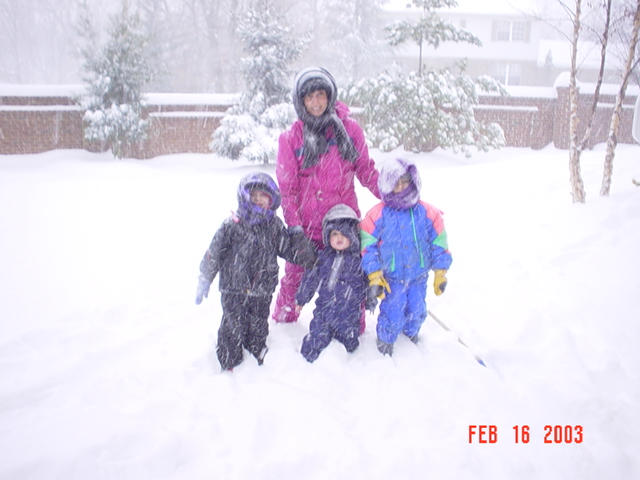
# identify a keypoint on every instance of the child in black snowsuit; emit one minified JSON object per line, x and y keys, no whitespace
{"x":244,"y":250}
{"x":340,"y":282}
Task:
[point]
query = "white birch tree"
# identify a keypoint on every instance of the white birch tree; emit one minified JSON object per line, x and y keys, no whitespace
{"x":601,"y":32}
{"x":612,"y":139}
{"x":575,"y":175}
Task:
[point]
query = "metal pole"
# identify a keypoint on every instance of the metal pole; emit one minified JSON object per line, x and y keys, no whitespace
{"x":460,"y":341}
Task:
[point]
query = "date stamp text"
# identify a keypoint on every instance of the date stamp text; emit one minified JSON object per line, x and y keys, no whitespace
{"x":524,"y":434}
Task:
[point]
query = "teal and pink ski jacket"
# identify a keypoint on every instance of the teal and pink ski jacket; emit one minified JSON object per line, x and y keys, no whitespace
{"x":404,"y":243}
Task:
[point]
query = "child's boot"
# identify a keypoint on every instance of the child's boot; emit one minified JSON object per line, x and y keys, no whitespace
{"x":385,"y":348}
{"x":260,"y":356}
{"x":285,"y":311}
{"x":363,"y":322}
{"x":285,"y":314}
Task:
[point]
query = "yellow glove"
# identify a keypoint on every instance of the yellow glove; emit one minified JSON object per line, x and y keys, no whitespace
{"x":439,"y":281}
{"x":377,"y":279}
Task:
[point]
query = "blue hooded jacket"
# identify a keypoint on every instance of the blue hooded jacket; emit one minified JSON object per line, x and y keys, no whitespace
{"x":403,"y":236}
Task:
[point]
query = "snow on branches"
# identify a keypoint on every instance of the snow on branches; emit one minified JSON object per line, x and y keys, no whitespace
{"x":250,"y":129}
{"x":422,"y":112}
{"x":114,"y":75}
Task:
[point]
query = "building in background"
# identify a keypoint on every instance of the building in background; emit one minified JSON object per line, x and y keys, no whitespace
{"x":521,"y":43}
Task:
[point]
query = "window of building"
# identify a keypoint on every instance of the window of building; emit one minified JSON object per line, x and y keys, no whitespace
{"x":501,"y":31}
{"x":510,"y":31}
{"x":520,"y":31}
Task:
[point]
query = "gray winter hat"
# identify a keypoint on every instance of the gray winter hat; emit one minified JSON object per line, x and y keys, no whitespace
{"x":309,"y":80}
{"x":336,"y":217}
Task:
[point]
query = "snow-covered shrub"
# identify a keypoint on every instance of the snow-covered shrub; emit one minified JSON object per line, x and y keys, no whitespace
{"x":263,"y":148}
{"x":234,"y":133}
{"x":250,"y":129}
{"x":114,"y":75}
{"x":240,"y":136}
{"x":278,"y":116}
{"x":118,"y":125}
{"x":422,"y":112}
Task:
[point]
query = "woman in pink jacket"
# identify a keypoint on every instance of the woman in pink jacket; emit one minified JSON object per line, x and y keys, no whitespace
{"x":318,"y":158}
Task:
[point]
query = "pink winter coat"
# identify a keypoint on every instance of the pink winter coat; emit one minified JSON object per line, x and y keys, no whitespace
{"x":308,"y":194}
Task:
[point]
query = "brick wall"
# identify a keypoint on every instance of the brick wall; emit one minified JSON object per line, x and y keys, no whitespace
{"x":34,"y":129}
{"x":178,"y":124}
{"x":180,"y":134}
{"x":526,"y":121}
{"x":181,"y":124}
{"x":601,"y":121}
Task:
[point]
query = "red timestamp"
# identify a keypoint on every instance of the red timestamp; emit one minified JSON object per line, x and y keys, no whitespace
{"x":558,"y":434}
{"x":523,"y":434}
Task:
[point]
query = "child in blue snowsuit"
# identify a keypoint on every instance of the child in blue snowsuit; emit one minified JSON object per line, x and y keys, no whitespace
{"x":402,"y":239}
{"x":340,"y":282}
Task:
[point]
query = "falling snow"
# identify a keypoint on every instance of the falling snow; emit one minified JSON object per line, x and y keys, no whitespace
{"x":109,"y":369}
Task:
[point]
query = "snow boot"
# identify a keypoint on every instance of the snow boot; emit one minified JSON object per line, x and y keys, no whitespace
{"x":385,"y":348}
{"x":261,"y":355}
{"x":363,"y":322}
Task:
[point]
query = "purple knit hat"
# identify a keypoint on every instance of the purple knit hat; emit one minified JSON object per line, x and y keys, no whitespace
{"x":390,"y":173}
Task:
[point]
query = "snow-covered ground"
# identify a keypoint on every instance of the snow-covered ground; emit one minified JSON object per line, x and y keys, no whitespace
{"x":108,"y":368}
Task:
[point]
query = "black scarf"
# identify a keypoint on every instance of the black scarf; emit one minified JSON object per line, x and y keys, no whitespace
{"x":315,"y":138}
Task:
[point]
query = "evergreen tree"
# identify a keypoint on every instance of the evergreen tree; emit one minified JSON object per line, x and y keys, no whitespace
{"x":271,"y":48}
{"x":114,"y":75}
{"x":250,"y":129}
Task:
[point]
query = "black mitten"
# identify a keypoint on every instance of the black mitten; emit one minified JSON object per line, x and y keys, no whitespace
{"x":373,"y":292}
{"x":304,"y":253}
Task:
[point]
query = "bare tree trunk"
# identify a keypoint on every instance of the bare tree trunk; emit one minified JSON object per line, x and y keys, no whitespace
{"x":612,"y":139}
{"x":596,"y":96}
{"x":575,"y":177}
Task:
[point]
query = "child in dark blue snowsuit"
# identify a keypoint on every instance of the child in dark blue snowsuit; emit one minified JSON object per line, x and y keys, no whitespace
{"x":244,"y":250}
{"x":340,"y":282}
